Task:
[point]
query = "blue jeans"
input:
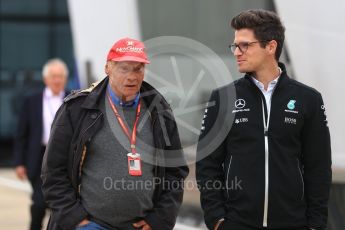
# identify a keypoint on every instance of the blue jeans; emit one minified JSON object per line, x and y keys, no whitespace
{"x":91,"y":226}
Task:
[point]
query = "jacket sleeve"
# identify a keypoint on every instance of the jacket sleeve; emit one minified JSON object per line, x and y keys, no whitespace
{"x":165,"y":211}
{"x":22,"y":133}
{"x":316,"y":153}
{"x":209,"y":169}
{"x":57,"y":188}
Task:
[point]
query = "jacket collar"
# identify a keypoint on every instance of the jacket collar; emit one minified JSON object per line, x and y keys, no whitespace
{"x":283,"y":79}
{"x":153,"y":99}
{"x":147,"y":92}
{"x":95,"y":92}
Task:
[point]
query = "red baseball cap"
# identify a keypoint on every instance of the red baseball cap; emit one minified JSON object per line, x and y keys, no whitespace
{"x":128,"y":49}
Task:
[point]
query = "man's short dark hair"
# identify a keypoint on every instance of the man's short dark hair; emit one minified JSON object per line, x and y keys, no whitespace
{"x":265,"y":24}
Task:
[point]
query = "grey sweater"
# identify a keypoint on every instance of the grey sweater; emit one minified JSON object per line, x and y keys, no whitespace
{"x":108,"y":193}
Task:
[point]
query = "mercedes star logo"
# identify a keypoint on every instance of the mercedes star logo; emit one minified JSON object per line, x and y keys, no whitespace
{"x":240,"y":103}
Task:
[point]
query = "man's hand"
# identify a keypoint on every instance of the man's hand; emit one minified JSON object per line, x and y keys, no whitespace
{"x":143,"y":225}
{"x":21,"y":172}
{"x":83,"y":222}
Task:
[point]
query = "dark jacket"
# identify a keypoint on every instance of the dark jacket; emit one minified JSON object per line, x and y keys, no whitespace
{"x":295,"y":164}
{"x":75,"y":124}
{"x":28,"y":138}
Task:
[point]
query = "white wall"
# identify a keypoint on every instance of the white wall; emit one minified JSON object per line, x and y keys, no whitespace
{"x":315,"y":38}
{"x":96,"y":26}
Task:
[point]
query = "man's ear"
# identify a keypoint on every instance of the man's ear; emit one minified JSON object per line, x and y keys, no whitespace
{"x":272,"y":47}
{"x":106,"y":67}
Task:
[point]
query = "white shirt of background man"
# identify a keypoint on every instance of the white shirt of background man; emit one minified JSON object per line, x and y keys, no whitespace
{"x":51,"y":104}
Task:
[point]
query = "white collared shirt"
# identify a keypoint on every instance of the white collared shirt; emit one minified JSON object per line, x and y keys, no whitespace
{"x":270,"y":89}
{"x":51,"y":104}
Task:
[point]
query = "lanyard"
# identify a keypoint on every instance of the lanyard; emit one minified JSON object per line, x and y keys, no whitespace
{"x":133,"y":137}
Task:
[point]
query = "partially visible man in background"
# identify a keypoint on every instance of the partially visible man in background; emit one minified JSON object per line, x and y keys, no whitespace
{"x":35,"y":119}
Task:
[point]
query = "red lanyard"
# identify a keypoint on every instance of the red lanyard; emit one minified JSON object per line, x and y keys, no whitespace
{"x":132,"y":139}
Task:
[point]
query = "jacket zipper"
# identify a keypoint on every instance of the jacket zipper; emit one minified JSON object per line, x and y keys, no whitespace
{"x":82,"y":145}
{"x":156,"y":157}
{"x":300,"y":173}
{"x":266,"y":125}
{"x":227,"y":178}
{"x":81,"y":165}
{"x":152,"y":124}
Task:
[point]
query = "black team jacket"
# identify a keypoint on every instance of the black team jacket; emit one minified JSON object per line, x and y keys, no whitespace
{"x":277,"y":177}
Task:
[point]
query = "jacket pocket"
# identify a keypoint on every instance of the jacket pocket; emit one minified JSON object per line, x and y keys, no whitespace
{"x":301,"y":178}
{"x":227,"y":186}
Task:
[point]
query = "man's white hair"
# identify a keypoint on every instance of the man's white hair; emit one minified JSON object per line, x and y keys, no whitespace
{"x":51,"y":62}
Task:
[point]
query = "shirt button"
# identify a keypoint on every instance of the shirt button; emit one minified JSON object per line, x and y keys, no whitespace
{"x":94,"y":115}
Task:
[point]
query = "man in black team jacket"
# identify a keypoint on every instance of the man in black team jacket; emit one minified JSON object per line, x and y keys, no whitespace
{"x":278,"y":149}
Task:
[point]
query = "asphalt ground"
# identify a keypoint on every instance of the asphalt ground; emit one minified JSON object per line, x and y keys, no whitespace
{"x":15,"y":200}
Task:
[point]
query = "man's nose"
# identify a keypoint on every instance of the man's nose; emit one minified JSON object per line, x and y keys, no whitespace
{"x":237,"y":51}
{"x":132,"y":76}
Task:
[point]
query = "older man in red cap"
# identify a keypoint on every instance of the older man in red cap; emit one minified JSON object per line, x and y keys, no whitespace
{"x":105,"y":166}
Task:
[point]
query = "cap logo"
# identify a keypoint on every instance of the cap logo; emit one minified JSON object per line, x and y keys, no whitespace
{"x":130,"y":49}
{"x":130,"y":43}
